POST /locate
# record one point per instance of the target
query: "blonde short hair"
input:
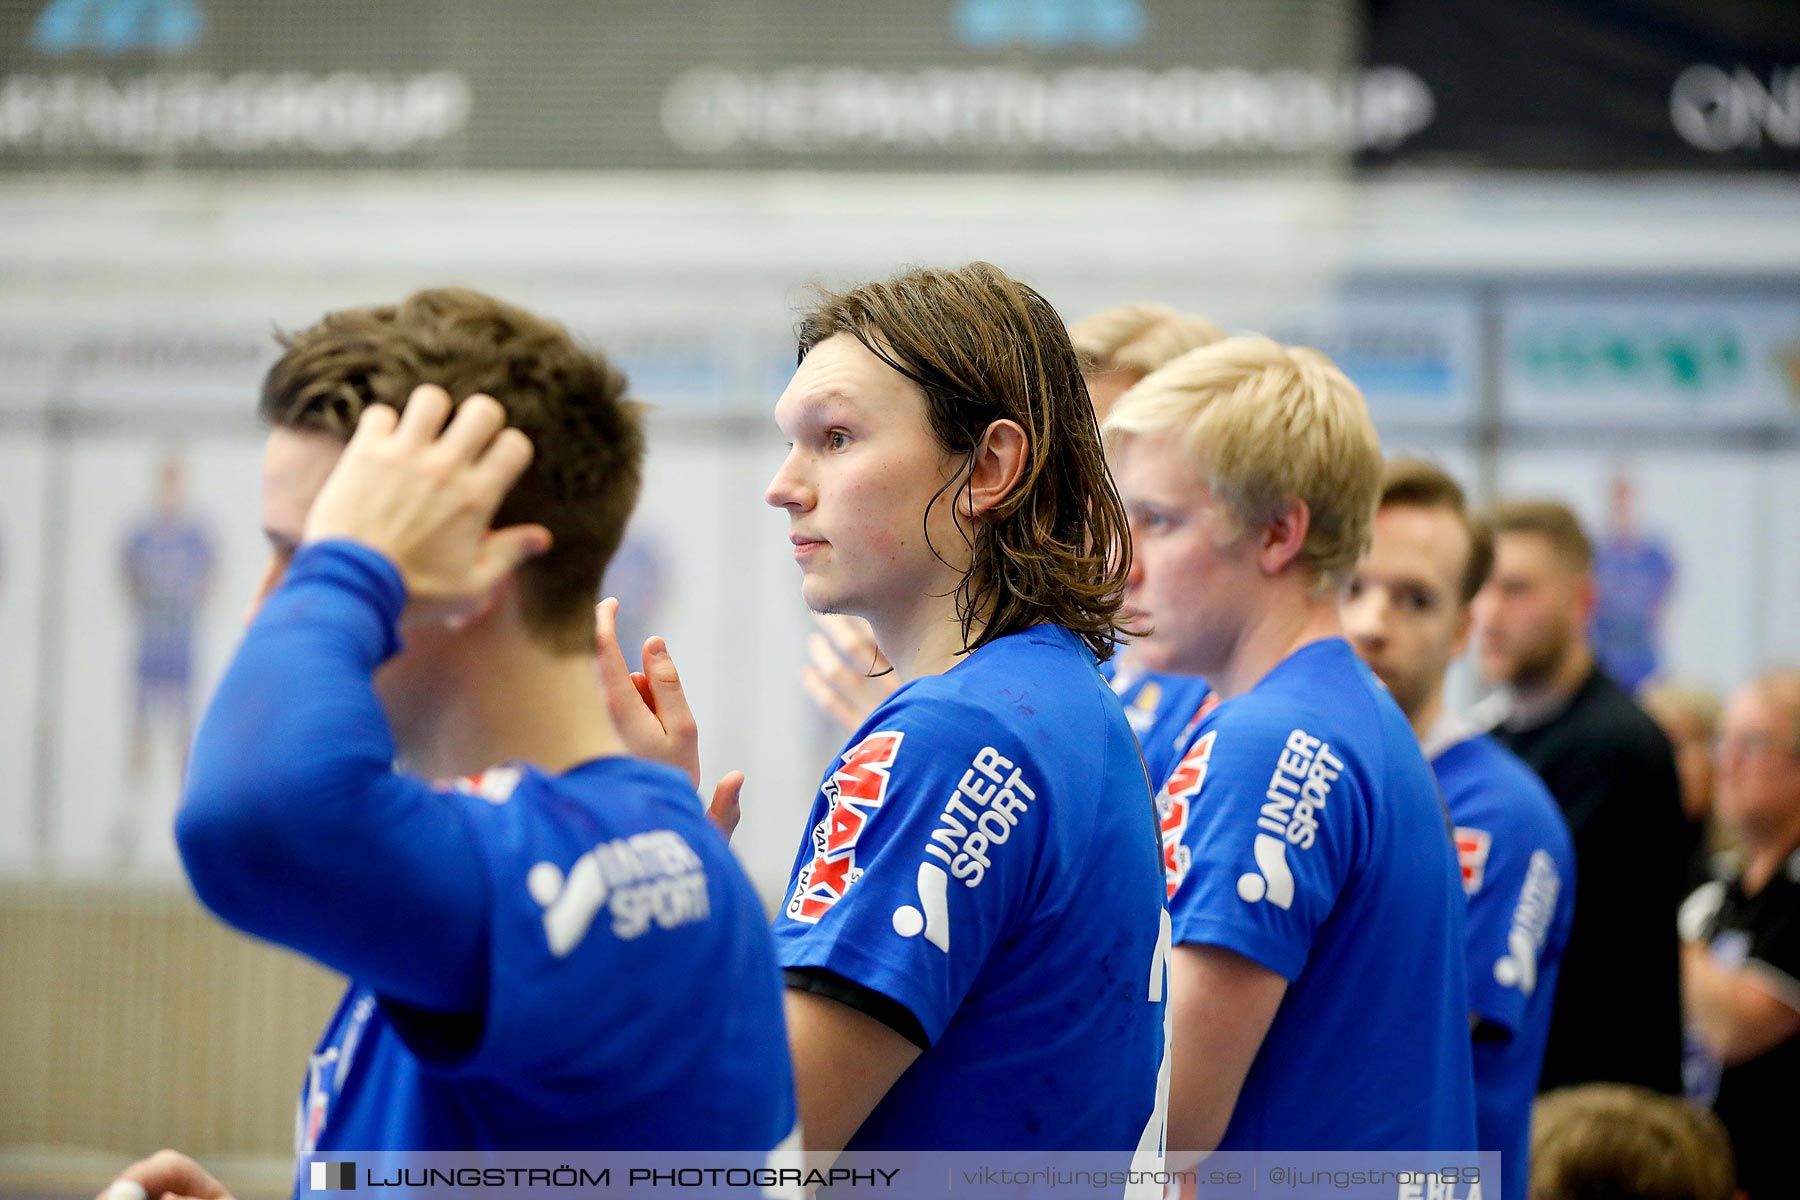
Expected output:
(1616, 1140)
(1266, 423)
(1138, 337)
(1781, 685)
(1667, 698)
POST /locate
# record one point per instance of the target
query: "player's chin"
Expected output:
(1155, 652)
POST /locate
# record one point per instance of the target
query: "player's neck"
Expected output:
(925, 641)
(1425, 716)
(1290, 617)
(520, 702)
(1534, 699)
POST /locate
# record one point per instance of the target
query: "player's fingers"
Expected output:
(427, 408)
(622, 699)
(827, 699)
(500, 467)
(854, 640)
(849, 680)
(165, 1171)
(665, 690)
(471, 428)
(376, 422)
(641, 682)
(823, 654)
(725, 809)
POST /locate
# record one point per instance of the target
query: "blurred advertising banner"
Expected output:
(944, 84)
(1182, 85)
(1685, 360)
(1585, 85)
(1414, 355)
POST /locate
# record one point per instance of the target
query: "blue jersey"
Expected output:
(1162, 709)
(539, 959)
(1312, 841)
(1518, 869)
(984, 855)
(616, 918)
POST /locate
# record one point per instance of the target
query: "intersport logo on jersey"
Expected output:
(1293, 805)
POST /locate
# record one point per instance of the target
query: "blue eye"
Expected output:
(837, 439)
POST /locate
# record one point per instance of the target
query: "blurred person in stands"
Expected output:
(1319, 999)
(537, 929)
(1618, 1009)
(1740, 955)
(988, 827)
(1407, 612)
(846, 676)
(1688, 714)
(1608, 1141)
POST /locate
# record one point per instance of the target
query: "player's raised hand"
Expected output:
(648, 707)
(424, 494)
(724, 809)
(846, 674)
(165, 1174)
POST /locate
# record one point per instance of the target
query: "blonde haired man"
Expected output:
(1317, 906)
(1119, 346)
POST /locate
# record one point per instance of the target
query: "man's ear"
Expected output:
(999, 464)
(1280, 539)
(1586, 591)
(502, 601)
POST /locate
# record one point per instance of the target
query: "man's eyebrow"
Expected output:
(827, 397)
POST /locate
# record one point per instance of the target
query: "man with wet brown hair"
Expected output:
(974, 934)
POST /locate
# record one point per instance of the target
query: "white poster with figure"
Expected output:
(165, 548)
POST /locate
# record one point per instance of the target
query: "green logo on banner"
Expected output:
(1693, 363)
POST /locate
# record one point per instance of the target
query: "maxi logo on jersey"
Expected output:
(853, 793)
(1175, 805)
(1472, 854)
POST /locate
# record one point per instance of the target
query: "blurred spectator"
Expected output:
(1611, 1142)
(1618, 1010)
(1689, 714)
(1740, 956)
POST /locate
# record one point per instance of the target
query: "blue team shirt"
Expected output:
(1162, 709)
(1518, 869)
(617, 921)
(607, 963)
(984, 853)
(1305, 833)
